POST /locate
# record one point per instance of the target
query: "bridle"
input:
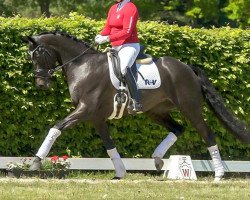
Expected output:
(42, 73)
(49, 71)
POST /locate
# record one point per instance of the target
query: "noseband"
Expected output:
(49, 71)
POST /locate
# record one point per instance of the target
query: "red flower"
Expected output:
(65, 157)
(54, 158)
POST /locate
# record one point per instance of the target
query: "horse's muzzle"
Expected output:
(43, 83)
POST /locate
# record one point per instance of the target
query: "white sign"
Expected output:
(181, 167)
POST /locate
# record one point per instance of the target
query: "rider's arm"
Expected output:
(107, 29)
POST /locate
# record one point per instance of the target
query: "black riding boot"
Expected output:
(134, 92)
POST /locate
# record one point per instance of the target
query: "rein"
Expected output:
(52, 71)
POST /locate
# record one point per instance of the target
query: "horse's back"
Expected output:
(179, 79)
(176, 68)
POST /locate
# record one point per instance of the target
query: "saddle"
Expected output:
(121, 98)
(142, 58)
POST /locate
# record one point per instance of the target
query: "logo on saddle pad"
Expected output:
(150, 82)
(148, 76)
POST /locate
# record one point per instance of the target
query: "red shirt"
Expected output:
(121, 25)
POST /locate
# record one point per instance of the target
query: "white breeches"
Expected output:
(127, 54)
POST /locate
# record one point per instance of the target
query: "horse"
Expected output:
(182, 86)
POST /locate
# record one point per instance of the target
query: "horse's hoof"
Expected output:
(36, 165)
(219, 174)
(116, 178)
(158, 164)
(217, 179)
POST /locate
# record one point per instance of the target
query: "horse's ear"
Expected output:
(28, 39)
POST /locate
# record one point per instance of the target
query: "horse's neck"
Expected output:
(77, 67)
(85, 74)
(68, 52)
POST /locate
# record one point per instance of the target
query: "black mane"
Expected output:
(61, 33)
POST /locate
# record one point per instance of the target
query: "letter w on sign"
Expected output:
(186, 172)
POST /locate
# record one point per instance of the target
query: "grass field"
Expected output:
(134, 186)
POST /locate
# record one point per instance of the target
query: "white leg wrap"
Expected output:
(161, 150)
(117, 162)
(48, 142)
(215, 155)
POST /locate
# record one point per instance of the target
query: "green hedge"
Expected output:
(27, 113)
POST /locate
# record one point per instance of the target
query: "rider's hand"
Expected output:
(99, 39)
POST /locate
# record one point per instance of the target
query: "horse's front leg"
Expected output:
(79, 114)
(102, 129)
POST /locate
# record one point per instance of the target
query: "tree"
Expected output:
(30, 8)
(239, 11)
(44, 7)
(90, 8)
(196, 13)
(174, 11)
(205, 12)
(4, 10)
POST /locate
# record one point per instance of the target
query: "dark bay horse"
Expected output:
(92, 94)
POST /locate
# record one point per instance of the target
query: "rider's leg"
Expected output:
(127, 54)
(132, 86)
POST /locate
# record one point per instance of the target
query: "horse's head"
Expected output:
(49, 48)
(44, 59)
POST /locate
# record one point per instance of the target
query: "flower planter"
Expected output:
(19, 173)
(55, 167)
(3, 172)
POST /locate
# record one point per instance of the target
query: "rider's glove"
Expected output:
(99, 39)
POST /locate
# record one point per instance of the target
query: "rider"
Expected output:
(120, 30)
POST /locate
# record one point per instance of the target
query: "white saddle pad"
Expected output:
(150, 80)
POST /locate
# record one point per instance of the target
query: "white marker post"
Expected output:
(181, 167)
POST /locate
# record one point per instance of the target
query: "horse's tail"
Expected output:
(217, 105)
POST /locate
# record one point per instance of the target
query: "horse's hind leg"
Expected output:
(102, 129)
(175, 131)
(191, 108)
(212, 147)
